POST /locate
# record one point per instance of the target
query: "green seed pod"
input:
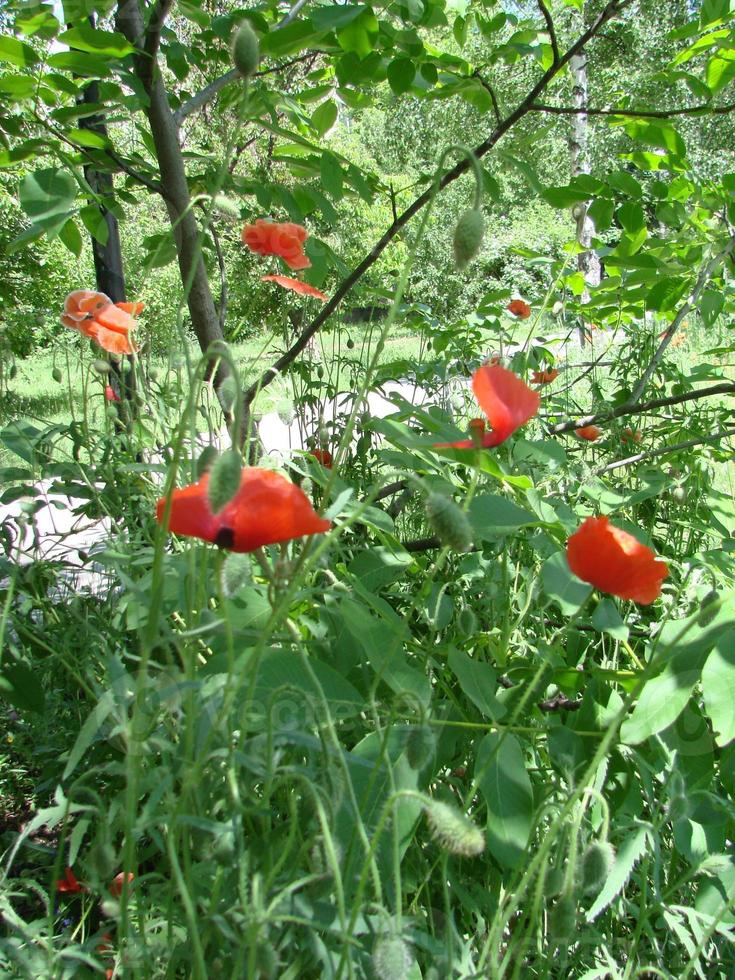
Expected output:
(467, 621)
(420, 746)
(111, 413)
(597, 861)
(553, 882)
(350, 343)
(563, 921)
(153, 375)
(453, 831)
(323, 436)
(391, 957)
(57, 375)
(224, 480)
(12, 373)
(468, 234)
(100, 366)
(227, 393)
(206, 460)
(236, 573)
(320, 372)
(450, 524)
(246, 50)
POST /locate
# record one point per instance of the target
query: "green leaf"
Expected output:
(564, 197)
(86, 65)
(478, 682)
(95, 223)
(21, 686)
(18, 86)
(711, 304)
(718, 687)
(88, 731)
(627, 857)
(71, 237)
(506, 788)
(360, 35)
(84, 37)
(401, 73)
(296, 36)
(601, 213)
(493, 516)
(566, 590)
(607, 619)
(324, 117)
(18, 53)
(47, 192)
(377, 567)
(631, 217)
(87, 137)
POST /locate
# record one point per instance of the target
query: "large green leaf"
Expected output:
(506, 788)
(718, 686)
(561, 585)
(84, 37)
(18, 53)
(46, 193)
(21, 686)
(478, 682)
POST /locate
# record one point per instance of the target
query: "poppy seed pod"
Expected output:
(452, 830)
(468, 234)
(206, 460)
(420, 746)
(391, 957)
(57, 375)
(100, 366)
(224, 479)
(597, 861)
(246, 50)
(467, 621)
(449, 522)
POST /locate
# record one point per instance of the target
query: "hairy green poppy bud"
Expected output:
(420, 746)
(100, 366)
(224, 480)
(236, 572)
(597, 861)
(453, 831)
(227, 393)
(391, 957)
(468, 234)
(111, 413)
(350, 343)
(206, 460)
(467, 621)
(57, 375)
(449, 522)
(563, 920)
(246, 50)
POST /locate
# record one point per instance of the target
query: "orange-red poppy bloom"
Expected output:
(116, 885)
(323, 456)
(545, 377)
(519, 308)
(588, 432)
(631, 435)
(96, 316)
(614, 561)
(267, 508)
(297, 286)
(110, 394)
(507, 401)
(69, 883)
(282, 238)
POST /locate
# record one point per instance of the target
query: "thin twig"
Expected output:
(725, 388)
(549, 29)
(705, 274)
(222, 311)
(491, 92)
(665, 450)
(703, 109)
(613, 8)
(156, 23)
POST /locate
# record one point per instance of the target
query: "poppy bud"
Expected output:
(236, 572)
(206, 460)
(350, 343)
(100, 366)
(467, 622)
(57, 375)
(553, 882)
(227, 393)
(452, 830)
(468, 234)
(246, 50)
(420, 746)
(563, 920)
(597, 861)
(224, 480)
(558, 308)
(391, 957)
(449, 522)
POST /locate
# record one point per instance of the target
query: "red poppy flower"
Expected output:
(507, 401)
(283, 238)
(519, 308)
(614, 561)
(69, 883)
(545, 377)
(588, 432)
(267, 508)
(631, 435)
(296, 285)
(116, 885)
(96, 316)
(110, 394)
(323, 456)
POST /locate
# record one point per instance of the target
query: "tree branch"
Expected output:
(491, 92)
(725, 388)
(156, 23)
(703, 109)
(705, 274)
(665, 450)
(549, 29)
(612, 8)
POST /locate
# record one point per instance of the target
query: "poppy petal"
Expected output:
(506, 399)
(110, 340)
(588, 432)
(615, 562)
(113, 318)
(132, 308)
(296, 285)
(519, 308)
(190, 515)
